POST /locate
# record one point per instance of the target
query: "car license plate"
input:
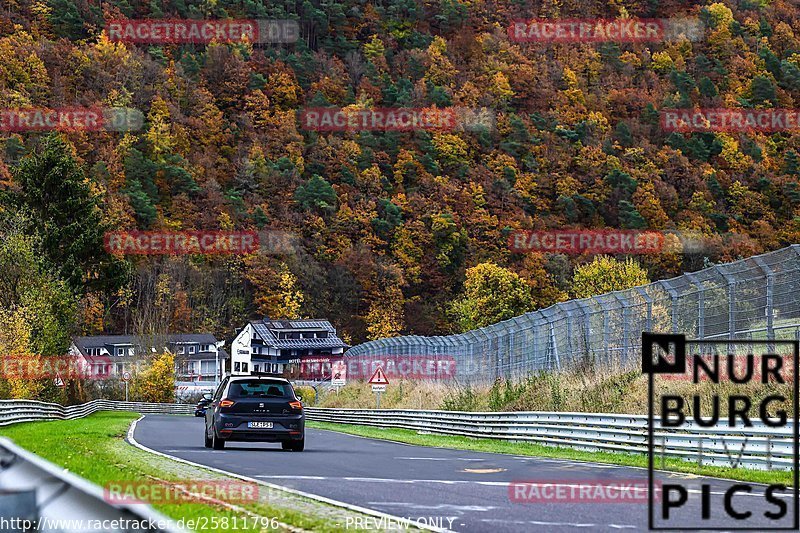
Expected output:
(260, 425)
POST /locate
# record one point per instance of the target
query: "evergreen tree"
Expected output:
(142, 203)
(316, 194)
(623, 135)
(391, 216)
(707, 88)
(65, 214)
(622, 181)
(762, 91)
(791, 163)
(790, 76)
(67, 21)
(629, 216)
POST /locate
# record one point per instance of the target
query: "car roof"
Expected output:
(270, 378)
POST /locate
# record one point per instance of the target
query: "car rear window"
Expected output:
(260, 389)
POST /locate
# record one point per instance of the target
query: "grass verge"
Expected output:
(537, 450)
(94, 448)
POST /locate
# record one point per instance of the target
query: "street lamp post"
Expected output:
(218, 372)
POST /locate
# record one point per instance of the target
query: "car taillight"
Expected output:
(296, 405)
(226, 403)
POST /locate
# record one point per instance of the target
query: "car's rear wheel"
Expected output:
(207, 439)
(294, 445)
(216, 442)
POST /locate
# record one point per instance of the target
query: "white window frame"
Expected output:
(209, 367)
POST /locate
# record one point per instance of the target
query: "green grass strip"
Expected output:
(94, 448)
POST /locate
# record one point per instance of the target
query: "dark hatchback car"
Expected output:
(255, 409)
(202, 405)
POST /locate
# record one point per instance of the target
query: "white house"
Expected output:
(279, 346)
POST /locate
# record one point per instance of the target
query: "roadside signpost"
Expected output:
(126, 377)
(378, 382)
(338, 374)
(58, 381)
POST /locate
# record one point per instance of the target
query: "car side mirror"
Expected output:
(300, 397)
(206, 396)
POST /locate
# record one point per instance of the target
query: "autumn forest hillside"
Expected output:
(397, 230)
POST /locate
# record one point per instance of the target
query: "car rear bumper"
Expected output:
(284, 428)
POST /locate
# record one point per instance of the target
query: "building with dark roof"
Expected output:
(197, 355)
(279, 346)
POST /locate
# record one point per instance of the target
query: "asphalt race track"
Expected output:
(469, 488)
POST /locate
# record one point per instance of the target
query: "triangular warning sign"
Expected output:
(57, 381)
(379, 377)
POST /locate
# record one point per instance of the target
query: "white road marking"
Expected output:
(557, 524)
(565, 483)
(460, 508)
(189, 450)
(439, 459)
(293, 477)
(388, 480)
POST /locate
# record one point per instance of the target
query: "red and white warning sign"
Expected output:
(379, 377)
(379, 380)
(58, 382)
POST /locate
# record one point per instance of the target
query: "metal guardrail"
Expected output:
(15, 411)
(37, 490)
(32, 488)
(761, 447)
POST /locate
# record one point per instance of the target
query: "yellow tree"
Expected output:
(605, 274)
(440, 70)
(155, 382)
(15, 341)
(290, 297)
(386, 314)
(277, 294)
(407, 250)
(500, 88)
(159, 133)
(648, 204)
(491, 294)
